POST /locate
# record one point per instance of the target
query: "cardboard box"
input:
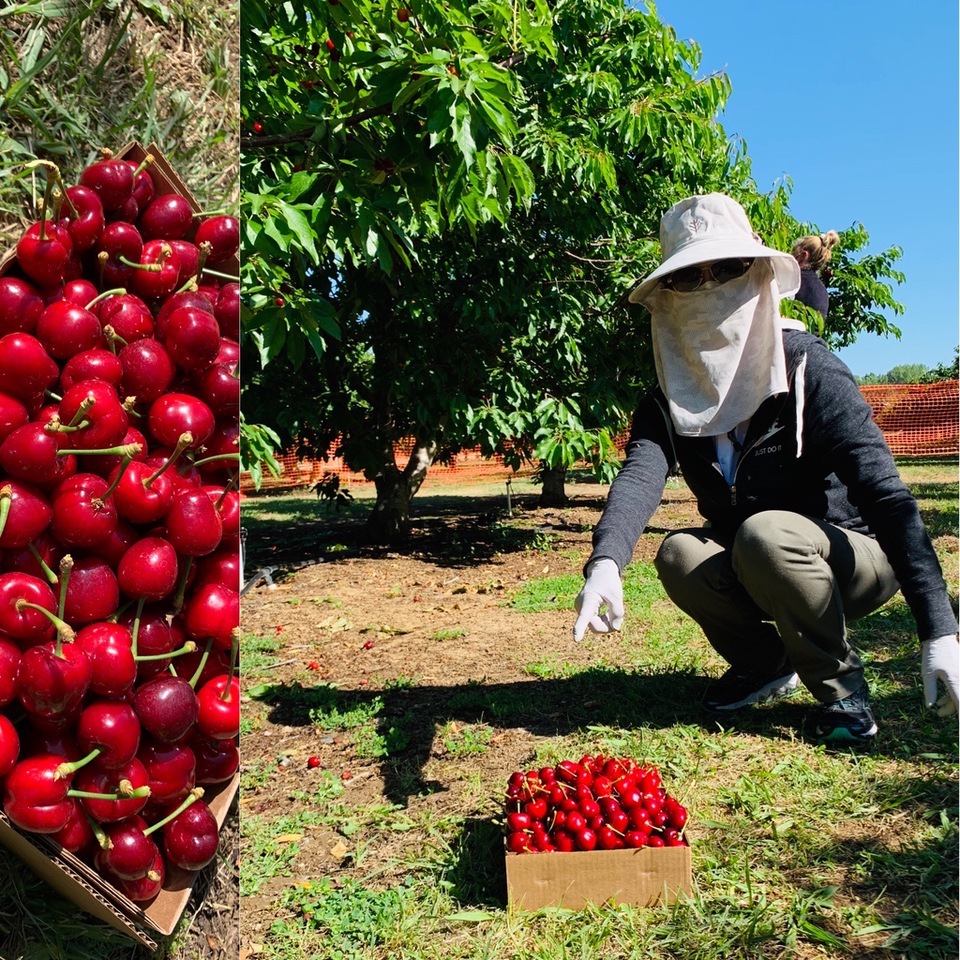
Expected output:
(68, 875)
(645, 877)
(81, 884)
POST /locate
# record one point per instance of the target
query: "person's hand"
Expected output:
(602, 587)
(940, 660)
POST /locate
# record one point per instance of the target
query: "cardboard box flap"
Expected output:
(48, 860)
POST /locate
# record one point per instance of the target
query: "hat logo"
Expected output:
(696, 224)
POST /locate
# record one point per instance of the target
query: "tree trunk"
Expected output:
(389, 522)
(553, 478)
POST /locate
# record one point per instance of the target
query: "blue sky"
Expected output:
(857, 103)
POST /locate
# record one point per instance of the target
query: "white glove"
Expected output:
(602, 587)
(940, 660)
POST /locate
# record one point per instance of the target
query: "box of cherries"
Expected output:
(629, 834)
(120, 536)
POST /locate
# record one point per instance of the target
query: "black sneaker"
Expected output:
(848, 720)
(740, 688)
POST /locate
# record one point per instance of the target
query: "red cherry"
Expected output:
(148, 569)
(35, 798)
(111, 180)
(130, 854)
(223, 235)
(219, 716)
(586, 839)
(171, 771)
(217, 760)
(82, 215)
(111, 727)
(44, 251)
(169, 217)
(26, 369)
(158, 270)
(20, 306)
(9, 745)
(518, 842)
(108, 648)
(191, 839)
(173, 414)
(213, 612)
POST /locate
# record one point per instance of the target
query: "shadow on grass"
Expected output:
(451, 531)
(407, 718)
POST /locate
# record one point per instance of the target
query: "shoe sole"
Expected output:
(845, 735)
(775, 690)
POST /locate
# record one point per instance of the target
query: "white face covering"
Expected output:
(718, 350)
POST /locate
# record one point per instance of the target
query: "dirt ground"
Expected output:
(364, 618)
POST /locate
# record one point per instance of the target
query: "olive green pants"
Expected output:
(780, 594)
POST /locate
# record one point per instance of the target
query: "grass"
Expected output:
(799, 851)
(75, 77)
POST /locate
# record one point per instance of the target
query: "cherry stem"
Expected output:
(232, 485)
(52, 395)
(102, 258)
(126, 789)
(68, 769)
(220, 456)
(188, 647)
(124, 463)
(234, 653)
(192, 797)
(182, 586)
(117, 292)
(189, 287)
(139, 793)
(55, 426)
(65, 198)
(147, 160)
(65, 632)
(66, 568)
(85, 405)
(223, 276)
(103, 840)
(44, 203)
(50, 576)
(126, 450)
(113, 338)
(154, 267)
(203, 662)
(6, 501)
(184, 441)
(205, 249)
(136, 626)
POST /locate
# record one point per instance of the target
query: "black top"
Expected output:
(812, 292)
(814, 450)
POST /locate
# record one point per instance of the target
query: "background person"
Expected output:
(812, 253)
(809, 525)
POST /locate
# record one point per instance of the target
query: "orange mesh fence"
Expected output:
(917, 420)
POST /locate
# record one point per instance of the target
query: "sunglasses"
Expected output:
(688, 279)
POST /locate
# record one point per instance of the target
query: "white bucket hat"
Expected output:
(709, 227)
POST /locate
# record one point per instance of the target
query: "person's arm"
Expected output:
(634, 496)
